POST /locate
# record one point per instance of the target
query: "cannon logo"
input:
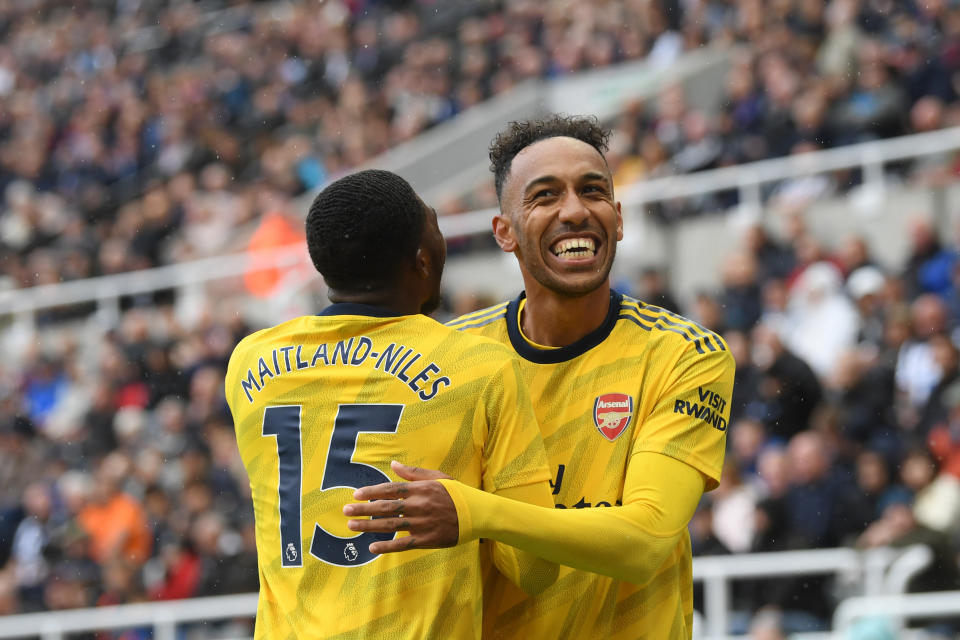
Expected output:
(612, 413)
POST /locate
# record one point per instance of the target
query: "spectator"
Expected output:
(947, 359)
(899, 527)
(733, 506)
(813, 499)
(741, 292)
(822, 321)
(861, 392)
(789, 390)
(866, 287)
(937, 494)
(653, 290)
(917, 371)
(775, 261)
(114, 520)
(30, 540)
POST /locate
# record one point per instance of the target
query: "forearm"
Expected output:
(527, 570)
(629, 542)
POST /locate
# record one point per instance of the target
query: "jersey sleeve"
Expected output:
(515, 468)
(630, 542)
(689, 420)
(513, 453)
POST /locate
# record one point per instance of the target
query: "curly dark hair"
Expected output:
(520, 135)
(362, 227)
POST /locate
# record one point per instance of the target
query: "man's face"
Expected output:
(559, 216)
(435, 246)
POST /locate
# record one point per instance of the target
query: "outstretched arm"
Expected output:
(630, 542)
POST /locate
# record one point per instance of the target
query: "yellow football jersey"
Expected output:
(321, 405)
(647, 380)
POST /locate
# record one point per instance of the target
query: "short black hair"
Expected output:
(362, 227)
(521, 134)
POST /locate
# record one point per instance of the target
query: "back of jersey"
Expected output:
(321, 405)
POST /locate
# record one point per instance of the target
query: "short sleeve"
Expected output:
(690, 418)
(513, 453)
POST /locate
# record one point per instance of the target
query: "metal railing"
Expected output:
(880, 572)
(747, 179)
(895, 607)
(162, 617)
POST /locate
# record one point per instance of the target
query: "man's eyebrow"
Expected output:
(593, 175)
(549, 179)
(539, 181)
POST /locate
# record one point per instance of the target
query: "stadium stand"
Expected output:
(136, 134)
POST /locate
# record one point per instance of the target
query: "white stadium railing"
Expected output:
(879, 573)
(895, 607)
(748, 179)
(162, 617)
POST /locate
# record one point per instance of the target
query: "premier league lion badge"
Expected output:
(612, 413)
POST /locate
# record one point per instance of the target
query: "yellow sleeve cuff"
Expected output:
(464, 519)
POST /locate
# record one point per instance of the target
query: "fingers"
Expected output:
(416, 473)
(385, 491)
(382, 525)
(377, 509)
(397, 544)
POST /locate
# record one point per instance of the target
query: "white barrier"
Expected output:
(895, 607)
(163, 617)
(878, 571)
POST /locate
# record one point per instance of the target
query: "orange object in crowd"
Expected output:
(274, 231)
(117, 527)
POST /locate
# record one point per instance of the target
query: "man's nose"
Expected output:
(572, 209)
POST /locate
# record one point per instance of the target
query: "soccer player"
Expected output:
(322, 404)
(632, 401)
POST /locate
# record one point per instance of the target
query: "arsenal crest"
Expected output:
(612, 413)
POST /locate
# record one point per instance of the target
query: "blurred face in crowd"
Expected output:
(928, 315)
(808, 462)
(917, 471)
(872, 475)
(559, 216)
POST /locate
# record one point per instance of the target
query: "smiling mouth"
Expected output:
(575, 248)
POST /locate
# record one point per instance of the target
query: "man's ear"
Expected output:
(422, 263)
(503, 232)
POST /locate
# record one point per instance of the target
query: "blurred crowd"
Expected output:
(845, 419)
(135, 134)
(120, 479)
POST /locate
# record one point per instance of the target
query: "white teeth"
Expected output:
(575, 248)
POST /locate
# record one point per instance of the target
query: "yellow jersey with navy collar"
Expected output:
(321, 405)
(646, 380)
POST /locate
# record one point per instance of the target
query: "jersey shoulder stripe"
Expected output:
(650, 317)
(479, 318)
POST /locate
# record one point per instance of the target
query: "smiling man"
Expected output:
(632, 401)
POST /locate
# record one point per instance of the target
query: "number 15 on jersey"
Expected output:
(284, 423)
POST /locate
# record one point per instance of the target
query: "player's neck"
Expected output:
(384, 298)
(557, 321)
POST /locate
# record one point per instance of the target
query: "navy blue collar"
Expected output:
(357, 309)
(569, 352)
